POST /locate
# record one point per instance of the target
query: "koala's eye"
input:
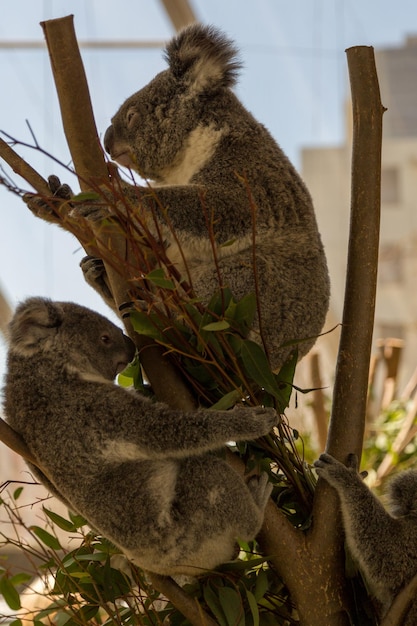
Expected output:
(105, 339)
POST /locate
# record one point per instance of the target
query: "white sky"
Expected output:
(294, 81)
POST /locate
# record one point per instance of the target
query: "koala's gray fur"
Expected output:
(384, 544)
(142, 474)
(188, 133)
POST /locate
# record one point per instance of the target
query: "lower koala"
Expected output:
(384, 544)
(144, 475)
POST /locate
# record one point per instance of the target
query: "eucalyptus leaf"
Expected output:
(257, 367)
(83, 196)
(232, 605)
(245, 312)
(262, 585)
(227, 401)
(213, 602)
(17, 493)
(216, 326)
(10, 593)
(158, 278)
(145, 324)
(253, 605)
(46, 538)
(60, 521)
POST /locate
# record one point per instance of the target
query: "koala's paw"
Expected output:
(52, 208)
(260, 420)
(95, 276)
(59, 191)
(334, 472)
(92, 210)
(261, 489)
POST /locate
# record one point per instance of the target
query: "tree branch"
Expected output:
(352, 372)
(23, 169)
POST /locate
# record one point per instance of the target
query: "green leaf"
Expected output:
(10, 594)
(16, 622)
(253, 605)
(86, 195)
(227, 401)
(213, 603)
(46, 538)
(77, 520)
(257, 367)
(262, 585)
(231, 603)
(145, 324)
(158, 278)
(216, 326)
(17, 493)
(61, 522)
(245, 312)
(19, 579)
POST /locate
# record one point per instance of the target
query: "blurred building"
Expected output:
(327, 174)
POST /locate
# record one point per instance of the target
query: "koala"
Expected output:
(384, 544)
(149, 478)
(209, 161)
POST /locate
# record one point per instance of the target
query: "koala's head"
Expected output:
(151, 128)
(70, 335)
(402, 494)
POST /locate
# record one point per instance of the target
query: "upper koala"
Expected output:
(384, 544)
(140, 472)
(211, 162)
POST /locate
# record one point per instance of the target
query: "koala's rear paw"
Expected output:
(95, 276)
(261, 489)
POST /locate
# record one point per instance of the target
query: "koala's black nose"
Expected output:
(109, 139)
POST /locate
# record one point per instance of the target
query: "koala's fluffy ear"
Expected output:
(203, 58)
(33, 326)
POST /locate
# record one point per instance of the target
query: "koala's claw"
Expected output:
(60, 191)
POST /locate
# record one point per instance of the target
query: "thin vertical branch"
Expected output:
(351, 384)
